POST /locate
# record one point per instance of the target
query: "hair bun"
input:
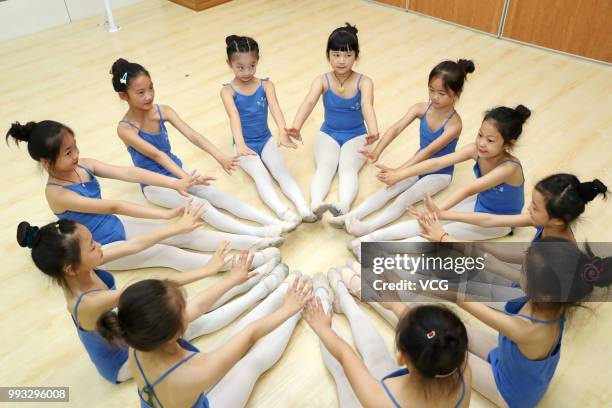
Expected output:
(467, 65)
(231, 38)
(21, 133)
(27, 235)
(523, 111)
(351, 28)
(119, 67)
(591, 189)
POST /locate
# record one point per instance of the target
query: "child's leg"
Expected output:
(388, 315)
(258, 172)
(377, 200)
(169, 198)
(221, 199)
(346, 396)
(273, 159)
(367, 339)
(483, 380)
(431, 184)
(224, 315)
(327, 155)
(235, 387)
(262, 271)
(159, 255)
(351, 162)
(199, 239)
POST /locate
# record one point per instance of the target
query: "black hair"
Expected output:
(566, 197)
(453, 74)
(148, 315)
(54, 247)
(559, 275)
(44, 138)
(124, 73)
(435, 340)
(237, 44)
(343, 39)
(508, 122)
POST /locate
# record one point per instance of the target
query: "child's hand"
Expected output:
(431, 229)
(294, 133)
(191, 217)
(219, 258)
(370, 155)
(228, 163)
(297, 296)
(240, 267)
(431, 206)
(387, 175)
(244, 150)
(371, 138)
(285, 140)
(314, 315)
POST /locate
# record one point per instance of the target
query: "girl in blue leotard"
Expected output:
(247, 99)
(431, 344)
(143, 130)
(151, 319)
(349, 125)
(498, 188)
(438, 135)
(66, 251)
(73, 192)
(556, 203)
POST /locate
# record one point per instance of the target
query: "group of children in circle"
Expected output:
(142, 331)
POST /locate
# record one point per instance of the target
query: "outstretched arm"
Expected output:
(228, 163)
(367, 109)
(305, 109)
(227, 96)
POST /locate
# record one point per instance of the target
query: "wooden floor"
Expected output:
(62, 74)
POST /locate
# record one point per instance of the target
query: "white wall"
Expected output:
(21, 17)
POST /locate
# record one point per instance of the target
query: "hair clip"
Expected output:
(445, 375)
(123, 79)
(431, 334)
(236, 45)
(57, 226)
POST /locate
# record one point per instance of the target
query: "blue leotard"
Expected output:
(107, 358)
(149, 389)
(522, 381)
(160, 141)
(427, 137)
(404, 371)
(105, 228)
(343, 116)
(253, 111)
(501, 199)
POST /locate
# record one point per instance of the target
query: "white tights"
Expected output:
(212, 197)
(256, 288)
(170, 253)
(369, 343)
(347, 160)
(408, 192)
(271, 162)
(408, 231)
(234, 389)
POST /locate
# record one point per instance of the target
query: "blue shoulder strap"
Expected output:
(359, 81)
(78, 302)
(327, 79)
(130, 124)
(426, 110)
(161, 117)
(149, 387)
